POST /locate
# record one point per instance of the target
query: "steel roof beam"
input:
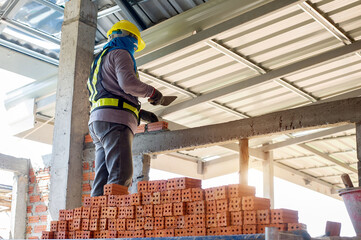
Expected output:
(131, 14)
(327, 24)
(108, 11)
(278, 73)
(307, 138)
(51, 5)
(258, 69)
(32, 31)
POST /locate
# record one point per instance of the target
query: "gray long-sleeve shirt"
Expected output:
(120, 79)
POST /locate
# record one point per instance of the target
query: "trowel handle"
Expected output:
(346, 180)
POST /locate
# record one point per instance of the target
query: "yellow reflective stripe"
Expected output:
(105, 102)
(131, 108)
(91, 91)
(95, 76)
(114, 103)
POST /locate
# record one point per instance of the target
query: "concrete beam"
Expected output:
(76, 55)
(302, 118)
(271, 75)
(18, 206)
(13, 164)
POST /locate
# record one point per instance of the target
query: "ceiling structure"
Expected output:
(5, 198)
(225, 60)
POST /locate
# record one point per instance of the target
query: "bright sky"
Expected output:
(314, 209)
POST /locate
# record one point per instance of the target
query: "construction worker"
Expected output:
(114, 88)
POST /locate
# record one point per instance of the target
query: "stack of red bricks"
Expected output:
(174, 207)
(151, 127)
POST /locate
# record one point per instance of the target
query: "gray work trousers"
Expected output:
(113, 155)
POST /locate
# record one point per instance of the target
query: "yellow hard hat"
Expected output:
(130, 27)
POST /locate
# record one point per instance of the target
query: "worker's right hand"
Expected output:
(156, 98)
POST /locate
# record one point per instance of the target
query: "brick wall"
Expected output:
(88, 171)
(37, 202)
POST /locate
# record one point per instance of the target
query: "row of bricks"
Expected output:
(150, 127)
(167, 209)
(150, 223)
(230, 230)
(173, 196)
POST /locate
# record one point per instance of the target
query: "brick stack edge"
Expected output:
(167, 208)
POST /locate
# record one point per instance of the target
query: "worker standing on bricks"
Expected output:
(114, 88)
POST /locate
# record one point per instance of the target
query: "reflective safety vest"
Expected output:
(99, 97)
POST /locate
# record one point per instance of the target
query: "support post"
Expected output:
(141, 167)
(268, 175)
(358, 149)
(72, 107)
(18, 206)
(243, 161)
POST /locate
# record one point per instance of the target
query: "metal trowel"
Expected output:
(166, 100)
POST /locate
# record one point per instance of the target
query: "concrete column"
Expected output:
(141, 167)
(268, 174)
(18, 206)
(243, 161)
(358, 147)
(72, 107)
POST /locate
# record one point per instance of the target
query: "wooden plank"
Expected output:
(243, 161)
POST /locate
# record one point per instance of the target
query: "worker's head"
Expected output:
(125, 28)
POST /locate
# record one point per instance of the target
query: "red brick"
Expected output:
(211, 207)
(240, 190)
(176, 196)
(211, 220)
(284, 216)
(261, 228)
(180, 232)
(33, 238)
(199, 231)
(78, 234)
(86, 166)
(142, 186)
(29, 229)
(103, 224)
(87, 235)
(130, 224)
(39, 228)
(179, 209)
(236, 218)
(31, 172)
(100, 201)
(34, 199)
(62, 215)
(115, 189)
(165, 197)
(139, 224)
(70, 225)
(85, 224)
(126, 200)
(199, 221)
(31, 189)
(209, 194)
(189, 208)
(263, 216)
(162, 185)
(54, 226)
(130, 212)
(235, 204)
(88, 176)
(96, 234)
(77, 224)
(139, 211)
(47, 235)
(333, 230)
(32, 180)
(112, 224)
(212, 231)
(148, 210)
(249, 217)
(149, 233)
(29, 209)
(71, 235)
(86, 200)
(223, 219)
(187, 195)
(135, 199)
(95, 212)
(199, 207)
(41, 208)
(104, 212)
(220, 192)
(156, 198)
(197, 194)
(189, 221)
(85, 212)
(63, 235)
(147, 198)
(180, 222)
(185, 182)
(168, 209)
(113, 201)
(69, 214)
(158, 223)
(222, 205)
(86, 187)
(255, 203)
(170, 222)
(94, 224)
(222, 231)
(148, 223)
(157, 210)
(33, 219)
(121, 224)
(62, 226)
(44, 218)
(249, 229)
(139, 234)
(153, 186)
